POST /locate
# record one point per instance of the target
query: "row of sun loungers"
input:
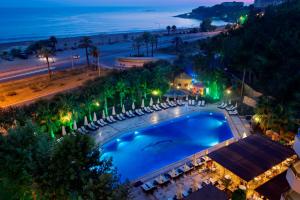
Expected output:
(95, 125)
(173, 174)
(200, 103)
(231, 109)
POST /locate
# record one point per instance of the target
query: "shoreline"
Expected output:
(105, 36)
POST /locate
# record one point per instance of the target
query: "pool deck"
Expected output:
(238, 127)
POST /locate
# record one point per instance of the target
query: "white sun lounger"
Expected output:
(109, 120)
(122, 116)
(103, 122)
(119, 118)
(131, 113)
(100, 123)
(112, 118)
(203, 103)
(234, 112)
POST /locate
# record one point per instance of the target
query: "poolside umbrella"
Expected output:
(161, 179)
(123, 109)
(86, 121)
(179, 192)
(186, 97)
(195, 185)
(173, 172)
(158, 101)
(75, 125)
(151, 102)
(196, 97)
(63, 130)
(185, 167)
(133, 106)
(143, 103)
(103, 114)
(95, 117)
(194, 160)
(168, 99)
(229, 102)
(113, 111)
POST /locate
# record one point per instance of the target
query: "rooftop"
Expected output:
(252, 156)
(208, 192)
(275, 187)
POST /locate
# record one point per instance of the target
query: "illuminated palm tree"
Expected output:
(86, 43)
(46, 53)
(96, 55)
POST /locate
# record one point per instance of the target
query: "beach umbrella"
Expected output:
(151, 102)
(113, 111)
(86, 121)
(123, 109)
(179, 192)
(63, 130)
(229, 102)
(168, 99)
(143, 103)
(95, 117)
(103, 114)
(158, 101)
(75, 125)
(186, 97)
(133, 106)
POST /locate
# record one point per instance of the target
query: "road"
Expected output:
(109, 54)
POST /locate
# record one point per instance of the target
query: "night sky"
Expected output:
(54, 3)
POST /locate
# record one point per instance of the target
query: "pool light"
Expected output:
(136, 132)
(210, 113)
(118, 140)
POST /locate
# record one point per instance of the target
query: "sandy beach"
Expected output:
(110, 45)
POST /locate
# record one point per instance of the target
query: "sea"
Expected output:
(23, 24)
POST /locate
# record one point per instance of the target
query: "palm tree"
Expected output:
(86, 43)
(146, 37)
(174, 28)
(96, 55)
(53, 41)
(168, 29)
(109, 92)
(178, 42)
(46, 53)
(153, 41)
(121, 87)
(137, 44)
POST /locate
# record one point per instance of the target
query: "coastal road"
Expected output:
(109, 54)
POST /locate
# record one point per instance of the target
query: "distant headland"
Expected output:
(226, 11)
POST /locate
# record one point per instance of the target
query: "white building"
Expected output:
(293, 175)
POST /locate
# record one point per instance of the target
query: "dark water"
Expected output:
(19, 24)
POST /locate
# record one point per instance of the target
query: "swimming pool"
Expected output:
(140, 152)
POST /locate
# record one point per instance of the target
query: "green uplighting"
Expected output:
(243, 19)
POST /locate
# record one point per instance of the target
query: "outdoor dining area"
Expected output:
(251, 162)
(199, 177)
(245, 165)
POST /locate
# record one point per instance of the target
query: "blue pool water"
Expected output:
(140, 152)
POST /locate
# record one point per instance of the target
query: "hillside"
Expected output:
(227, 11)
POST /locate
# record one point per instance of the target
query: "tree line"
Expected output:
(265, 51)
